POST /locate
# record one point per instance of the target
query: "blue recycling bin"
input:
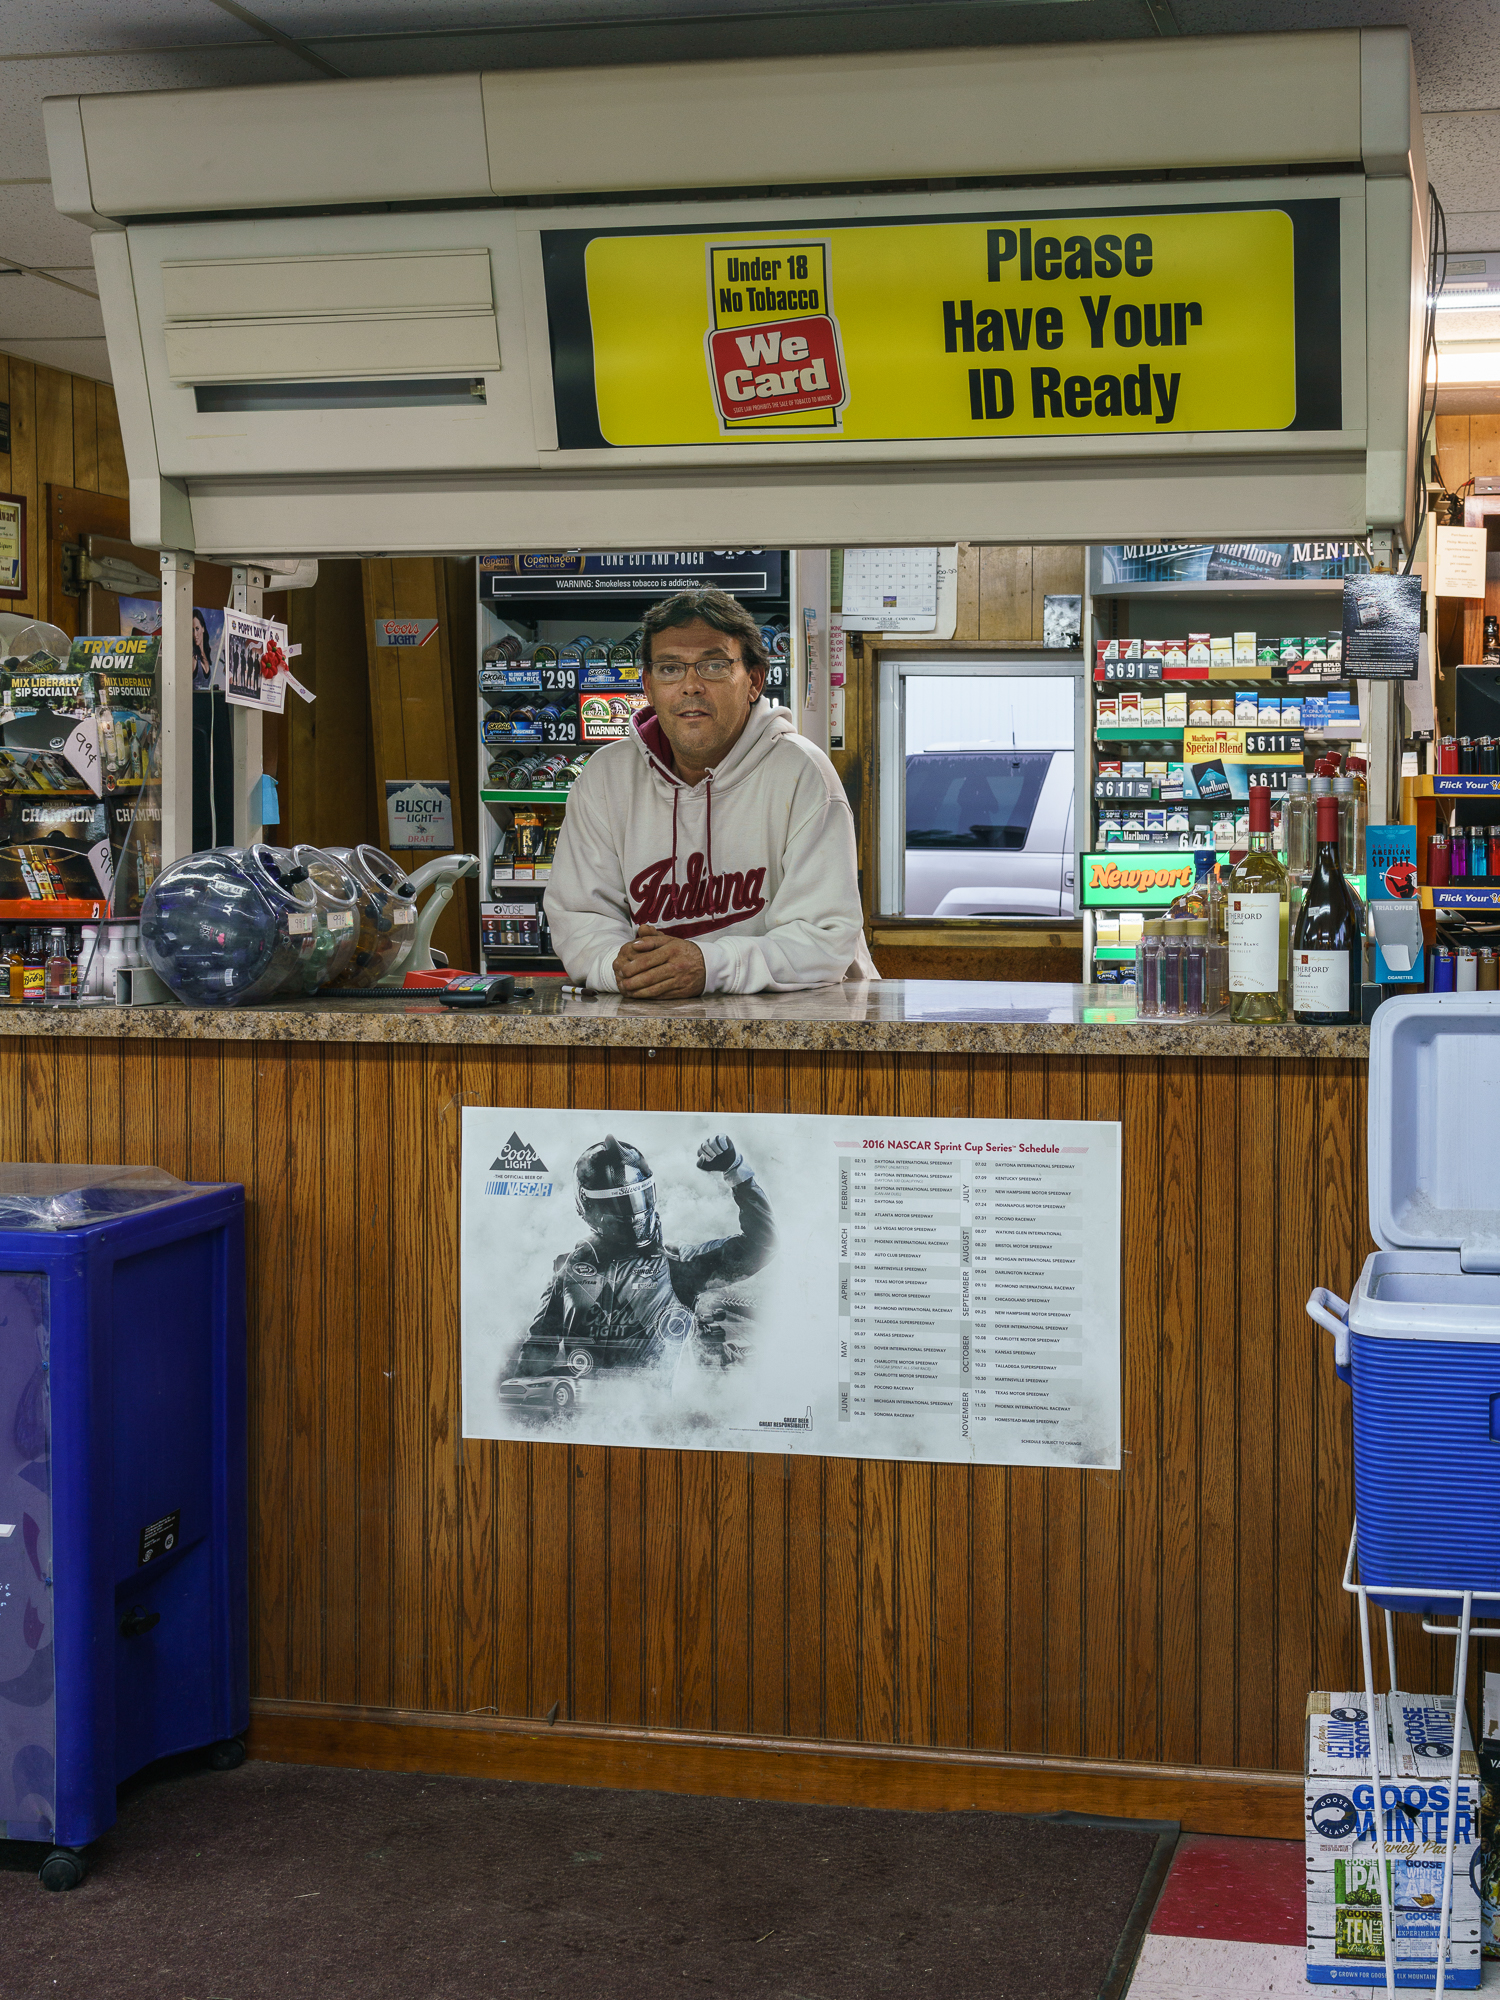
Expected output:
(123, 1608)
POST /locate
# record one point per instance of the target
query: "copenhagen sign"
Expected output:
(1061, 324)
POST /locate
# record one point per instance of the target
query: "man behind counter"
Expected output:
(712, 850)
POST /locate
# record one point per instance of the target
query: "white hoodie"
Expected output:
(756, 864)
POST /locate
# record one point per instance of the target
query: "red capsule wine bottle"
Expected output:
(1327, 947)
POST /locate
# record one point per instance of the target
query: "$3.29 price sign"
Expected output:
(559, 728)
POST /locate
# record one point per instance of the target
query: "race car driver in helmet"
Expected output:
(622, 1299)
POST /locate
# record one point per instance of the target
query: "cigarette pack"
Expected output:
(1174, 656)
(1107, 714)
(1291, 711)
(1200, 712)
(1199, 649)
(1133, 768)
(1106, 929)
(1106, 649)
(1130, 708)
(1152, 712)
(1221, 651)
(1270, 712)
(1246, 707)
(1291, 649)
(1174, 712)
(1130, 649)
(1223, 715)
(1244, 649)
(1413, 1741)
(1151, 649)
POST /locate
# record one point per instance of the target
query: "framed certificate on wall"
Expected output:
(12, 545)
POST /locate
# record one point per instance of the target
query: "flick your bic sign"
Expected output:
(1149, 322)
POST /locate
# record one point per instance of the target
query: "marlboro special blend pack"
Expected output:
(1413, 1737)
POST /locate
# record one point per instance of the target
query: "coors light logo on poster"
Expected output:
(773, 349)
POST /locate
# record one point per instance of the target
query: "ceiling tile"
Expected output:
(32, 231)
(1463, 160)
(23, 85)
(1475, 229)
(624, 38)
(41, 27)
(79, 357)
(33, 309)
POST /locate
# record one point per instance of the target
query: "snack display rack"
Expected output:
(1172, 760)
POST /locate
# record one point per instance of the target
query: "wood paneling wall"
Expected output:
(1177, 1611)
(1468, 447)
(424, 711)
(64, 431)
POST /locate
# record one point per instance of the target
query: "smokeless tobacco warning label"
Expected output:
(897, 1288)
(1148, 321)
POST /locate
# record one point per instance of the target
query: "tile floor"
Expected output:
(1230, 1926)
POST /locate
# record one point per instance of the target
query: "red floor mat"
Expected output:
(1251, 1891)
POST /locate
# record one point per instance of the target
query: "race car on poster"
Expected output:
(624, 1302)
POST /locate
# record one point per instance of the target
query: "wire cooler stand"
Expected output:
(1464, 1631)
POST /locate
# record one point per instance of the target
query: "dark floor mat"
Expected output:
(288, 1880)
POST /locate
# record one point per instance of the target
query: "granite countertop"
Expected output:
(894, 1016)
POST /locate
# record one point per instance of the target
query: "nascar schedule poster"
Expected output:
(901, 1288)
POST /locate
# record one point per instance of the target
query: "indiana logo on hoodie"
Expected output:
(700, 901)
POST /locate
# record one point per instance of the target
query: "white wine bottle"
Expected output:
(1327, 951)
(1257, 915)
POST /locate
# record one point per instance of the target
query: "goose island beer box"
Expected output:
(1414, 1738)
(1489, 1801)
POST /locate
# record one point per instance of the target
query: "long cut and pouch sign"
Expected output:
(890, 1288)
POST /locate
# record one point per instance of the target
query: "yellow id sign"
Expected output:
(1142, 322)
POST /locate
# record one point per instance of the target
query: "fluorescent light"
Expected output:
(1457, 365)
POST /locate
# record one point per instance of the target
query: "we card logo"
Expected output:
(773, 350)
(777, 370)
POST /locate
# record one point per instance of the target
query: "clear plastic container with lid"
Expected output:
(1194, 967)
(387, 913)
(217, 934)
(291, 894)
(1147, 955)
(338, 903)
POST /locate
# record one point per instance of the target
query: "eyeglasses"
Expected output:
(716, 667)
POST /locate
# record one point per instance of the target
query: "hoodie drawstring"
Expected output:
(708, 823)
(676, 795)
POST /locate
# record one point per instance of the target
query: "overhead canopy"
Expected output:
(768, 302)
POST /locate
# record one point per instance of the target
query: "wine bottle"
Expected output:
(1327, 951)
(1258, 923)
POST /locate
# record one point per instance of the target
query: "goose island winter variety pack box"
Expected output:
(1345, 1936)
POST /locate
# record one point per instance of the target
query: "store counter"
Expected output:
(890, 1017)
(1136, 1642)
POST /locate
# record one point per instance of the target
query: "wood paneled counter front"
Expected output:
(1137, 1642)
